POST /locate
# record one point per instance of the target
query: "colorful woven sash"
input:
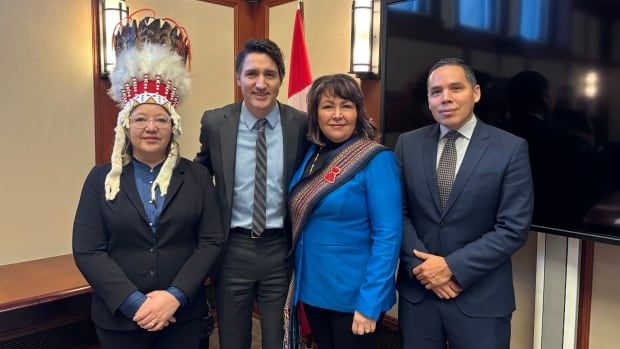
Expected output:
(350, 158)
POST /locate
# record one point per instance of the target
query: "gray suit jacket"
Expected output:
(218, 144)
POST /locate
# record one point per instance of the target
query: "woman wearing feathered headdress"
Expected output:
(147, 230)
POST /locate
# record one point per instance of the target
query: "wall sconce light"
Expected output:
(591, 84)
(365, 38)
(111, 12)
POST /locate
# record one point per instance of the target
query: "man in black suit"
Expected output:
(254, 263)
(469, 201)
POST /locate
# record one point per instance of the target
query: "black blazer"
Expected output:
(117, 252)
(218, 144)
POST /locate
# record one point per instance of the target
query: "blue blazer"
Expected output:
(347, 253)
(486, 220)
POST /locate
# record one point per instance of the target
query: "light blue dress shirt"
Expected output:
(144, 176)
(461, 143)
(245, 165)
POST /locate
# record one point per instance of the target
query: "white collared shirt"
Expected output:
(461, 143)
(245, 165)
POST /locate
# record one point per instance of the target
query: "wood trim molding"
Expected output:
(372, 100)
(105, 111)
(227, 3)
(39, 281)
(41, 294)
(585, 294)
(274, 3)
(45, 298)
(96, 72)
(38, 317)
(391, 323)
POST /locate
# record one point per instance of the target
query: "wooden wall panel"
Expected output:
(585, 294)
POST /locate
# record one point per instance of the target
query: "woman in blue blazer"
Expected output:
(345, 209)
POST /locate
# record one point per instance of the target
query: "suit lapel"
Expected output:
(128, 186)
(228, 142)
(430, 163)
(175, 184)
(475, 150)
(290, 137)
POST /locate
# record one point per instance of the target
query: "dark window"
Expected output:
(421, 7)
(478, 14)
(534, 15)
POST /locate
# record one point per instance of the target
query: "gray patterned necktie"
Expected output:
(447, 168)
(259, 210)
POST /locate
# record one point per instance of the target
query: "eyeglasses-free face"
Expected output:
(337, 118)
(260, 83)
(451, 97)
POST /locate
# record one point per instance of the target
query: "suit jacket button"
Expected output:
(152, 273)
(152, 250)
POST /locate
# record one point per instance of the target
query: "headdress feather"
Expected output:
(152, 66)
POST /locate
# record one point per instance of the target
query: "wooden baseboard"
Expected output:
(390, 323)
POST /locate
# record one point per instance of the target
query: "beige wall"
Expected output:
(211, 31)
(605, 297)
(50, 129)
(50, 126)
(524, 279)
(47, 110)
(328, 35)
(46, 106)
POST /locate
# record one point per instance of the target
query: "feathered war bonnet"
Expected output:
(152, 57)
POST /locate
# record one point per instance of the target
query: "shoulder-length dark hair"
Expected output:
(345, 87)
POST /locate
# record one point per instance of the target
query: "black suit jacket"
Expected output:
(117, 252)
(218, 144)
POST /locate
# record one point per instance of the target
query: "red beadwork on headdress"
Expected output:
(151, 86)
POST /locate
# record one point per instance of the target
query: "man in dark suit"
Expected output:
(252, 148)
(468, 206)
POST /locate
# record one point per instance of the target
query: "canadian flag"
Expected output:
(299, 82)
(300, 78)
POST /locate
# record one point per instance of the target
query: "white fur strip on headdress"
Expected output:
(165, 174)
(113, 178)
(121, 158)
